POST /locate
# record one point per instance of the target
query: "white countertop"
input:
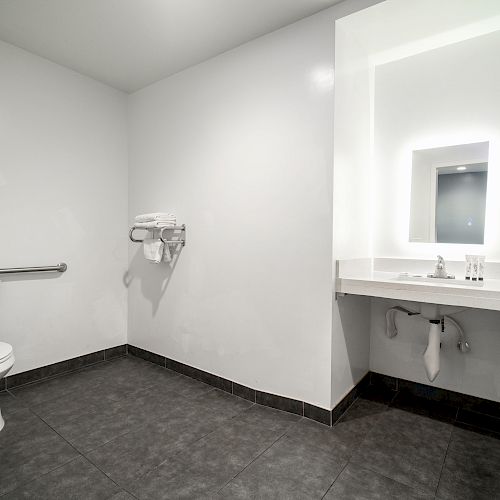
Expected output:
(361, 277)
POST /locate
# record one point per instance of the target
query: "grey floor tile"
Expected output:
(290, 469)
(128, 457)
(205, 467)
(9, 404)
(101, 395)
(95, 428)
(186, 386)
(115, 418)
(176, 482)
(269, 418)
(70, 406)
(343, 439)
(220, 401)
(72, 383)
(76, 480)
(357, 483)
(472, 467)
(29, 449)
(122, 495)
(407, 448)
(126, 376)
(18, 425)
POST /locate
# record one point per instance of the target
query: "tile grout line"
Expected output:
(349, 461)
(108, 477)
(444, 459)
(80, 454)
(367, 465)
(138, 478)
(343, 413)
(335, 480)
(40, 476)
(259, 455)
(55, 468)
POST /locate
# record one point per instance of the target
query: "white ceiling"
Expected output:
(129, 44)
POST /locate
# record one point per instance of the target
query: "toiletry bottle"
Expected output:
(468, 267)
(475, 266)
(480, 270)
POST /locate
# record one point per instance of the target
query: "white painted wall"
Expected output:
(424, 101)
(351, 202)
(240, 148)
(63, 197)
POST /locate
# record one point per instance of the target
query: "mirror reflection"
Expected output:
(448, 194)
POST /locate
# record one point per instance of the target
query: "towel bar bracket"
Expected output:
(166, 241)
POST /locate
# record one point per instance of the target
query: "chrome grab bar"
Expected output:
(61, 268)
(161, 229)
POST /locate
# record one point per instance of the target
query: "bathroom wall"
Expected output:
(240, 148)
(441, 97)
(352, 194)
(63, 197)
(451, 106)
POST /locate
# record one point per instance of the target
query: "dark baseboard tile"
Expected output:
(385, 381)
(480, 420)
(244, 392)
(279, 402)
(2, 385)
(146, 355)
(189, 371)
(350, 397)
(201, 375)
(208, 378)
(55, 369)
(319, 414)
(450, 398)
(344, 404)
(289, 405)
(115, 352)
(484, 406)
(463, 410)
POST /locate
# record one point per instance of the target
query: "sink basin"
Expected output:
(441, 281)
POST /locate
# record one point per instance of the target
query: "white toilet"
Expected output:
(6, 363)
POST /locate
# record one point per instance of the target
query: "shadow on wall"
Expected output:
(354, 313)
(30, 276)
(154, 278)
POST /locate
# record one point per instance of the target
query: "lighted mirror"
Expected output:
(448, 194)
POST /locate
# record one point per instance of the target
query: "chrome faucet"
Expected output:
(440, 270)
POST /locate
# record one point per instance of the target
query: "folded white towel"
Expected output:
(167, 256)
(153, 224)
(153, 249)
(159, 216)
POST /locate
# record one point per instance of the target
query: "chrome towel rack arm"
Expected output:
(162, 238)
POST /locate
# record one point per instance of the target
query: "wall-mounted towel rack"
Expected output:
(162, 230)
(60, 268)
